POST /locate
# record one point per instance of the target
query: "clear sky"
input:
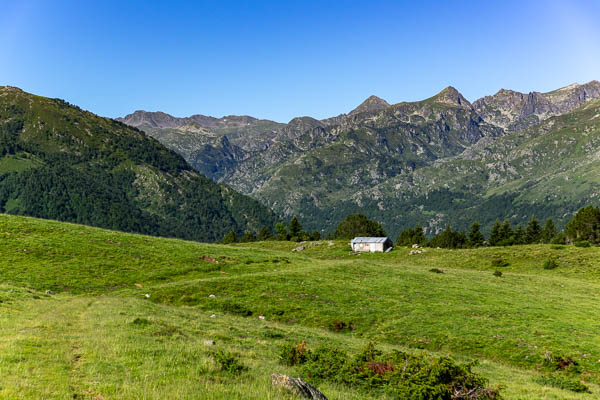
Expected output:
(281, 59)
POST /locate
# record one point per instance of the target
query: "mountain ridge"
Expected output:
(324, 169)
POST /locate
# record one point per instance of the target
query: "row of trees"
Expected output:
(292, 232)
(584, 226)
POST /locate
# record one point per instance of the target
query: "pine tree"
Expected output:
(534, 231)
(281, 231)
(315, 236)
(495, 234)
(505, 234)
(247, 237)
(231, 237)
(264, 233)
(549, 231)
(295, 227)
(519, 236)
(476, 238)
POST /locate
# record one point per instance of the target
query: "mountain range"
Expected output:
(442, 160)
(60, 162)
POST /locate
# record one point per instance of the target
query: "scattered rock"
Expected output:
(50, 292)
(297, 386)
(412, 252)
(147, 295)
(261, 317)
(209, 342)
(416, 246)
(299, 248)
(209, 259)
(213, 316)
(137, 284)
(211, 296)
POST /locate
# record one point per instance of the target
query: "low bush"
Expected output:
(563, 382)
(436, 270)
(561, 362)
(294, 354)
(338, 325)
(229, 362)
(140, 321)
(498, 274)
(236, 309)
(499, 262)
(550, 263)
(402, 375)
(582, 243)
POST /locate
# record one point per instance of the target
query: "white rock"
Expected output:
(147, 296)
(211, 296)
(213, 316)
(261, 317)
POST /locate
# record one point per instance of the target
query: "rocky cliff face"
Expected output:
(513, 111)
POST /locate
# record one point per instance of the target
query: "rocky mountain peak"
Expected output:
(372, 103)
(154, 119)
(453, 97)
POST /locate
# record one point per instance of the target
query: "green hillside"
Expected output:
(60, 162)
(131, 313)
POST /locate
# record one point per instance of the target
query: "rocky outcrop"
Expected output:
(297, 386)
(514, 111)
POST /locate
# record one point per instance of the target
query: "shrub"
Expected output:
(237, 309)
(294, 354)
(141, 321)
(338, 325)
(582, 243)
(557, 362)
(229, 362)
(563, 382)
(399, 374)
(497, 273)
(499, 262)
(550, 263)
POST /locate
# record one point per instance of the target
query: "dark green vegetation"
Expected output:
(399, 374)
(131, 314)
(60, 162)
(437, 162)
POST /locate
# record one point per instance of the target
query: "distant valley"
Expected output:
(443, 160)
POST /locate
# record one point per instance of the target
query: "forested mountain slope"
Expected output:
(58, 161)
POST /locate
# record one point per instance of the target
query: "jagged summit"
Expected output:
(451, 96)
(372, 103)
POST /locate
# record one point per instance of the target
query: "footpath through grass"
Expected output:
(101, 337)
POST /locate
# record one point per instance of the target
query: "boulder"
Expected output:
(299, 248)
(297, 386)
(50, 292)
(209, 342)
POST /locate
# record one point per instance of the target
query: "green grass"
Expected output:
(100, 337)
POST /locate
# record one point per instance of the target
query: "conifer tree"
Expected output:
(505, 233)
(519, 236)
(264, 233)
(295, 227)
(549, 231)
(534, 231)
(495, 234)
(475, 236)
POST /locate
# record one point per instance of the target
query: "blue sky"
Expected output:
(281, 59)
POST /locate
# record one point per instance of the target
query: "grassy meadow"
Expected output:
(131, 313)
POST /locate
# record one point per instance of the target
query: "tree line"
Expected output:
(583, 229)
